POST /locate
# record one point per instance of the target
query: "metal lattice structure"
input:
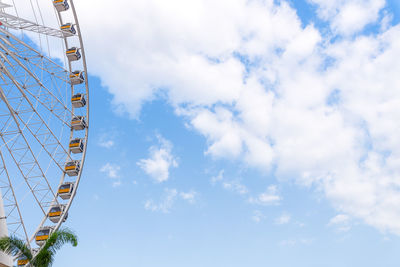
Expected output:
(44, 120)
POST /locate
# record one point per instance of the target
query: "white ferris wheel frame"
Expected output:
(14, 22)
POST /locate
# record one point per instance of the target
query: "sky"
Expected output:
(240, 133)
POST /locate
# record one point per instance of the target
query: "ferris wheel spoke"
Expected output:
(27, 52)
(44, 64)
(11, 205)
(17, 23)
(27, 164)
(56, 110)
(34, 87)
(35, 60)
(38, 128)
(41, 94)
(48, 141)
(32, 174)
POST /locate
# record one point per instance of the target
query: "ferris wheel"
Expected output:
(44, 117)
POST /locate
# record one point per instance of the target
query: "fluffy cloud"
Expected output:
(106, 143)
(265, 90)
(106, 140)
(349, 16)
(342, 222)
(112, 171)
(189, 196)
(269, 197)
(160, 161)
(168, 199)
(231, 185)
(257, 216)
(166, 202)
(235, 186)
(283, 219)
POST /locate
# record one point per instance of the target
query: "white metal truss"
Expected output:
(3, 5)
(25, 159)
(16, 23)
(30, 60)
(12, 211)
(35, 121)
(36, 124)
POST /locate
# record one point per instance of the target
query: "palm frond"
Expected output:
(44, 258)
(14, 246)
(60, 238)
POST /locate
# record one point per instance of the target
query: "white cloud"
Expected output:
(258, 216)
(116, 183)
(266, 91)
(342, 222)
(269, 197)
(231, 185)
(168, 200)
(339, 219)
(283, 219)
(107, 139)
(349, 16)
(236, 187)
(160, 161)
(112, 171)
(189, 196)
(106, 143)
(218, 178)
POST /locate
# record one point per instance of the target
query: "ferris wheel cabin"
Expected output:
(65, 190)
(22, 261)
(76, 145)
(78, 123)
(78, 100)
(73, 54)
(61, 5)
(72, 168)
(77, 77)
(56, 212)
(68, 29)
(42, 235)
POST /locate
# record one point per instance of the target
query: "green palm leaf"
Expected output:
(45, 258)
(15, 246)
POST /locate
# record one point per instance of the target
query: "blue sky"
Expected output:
(218, 229)
(165, 183)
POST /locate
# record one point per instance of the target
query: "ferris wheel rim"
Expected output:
(77, 181)
(79, 35)
(71, 137)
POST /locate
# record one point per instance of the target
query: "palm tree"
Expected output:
(45, 258)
